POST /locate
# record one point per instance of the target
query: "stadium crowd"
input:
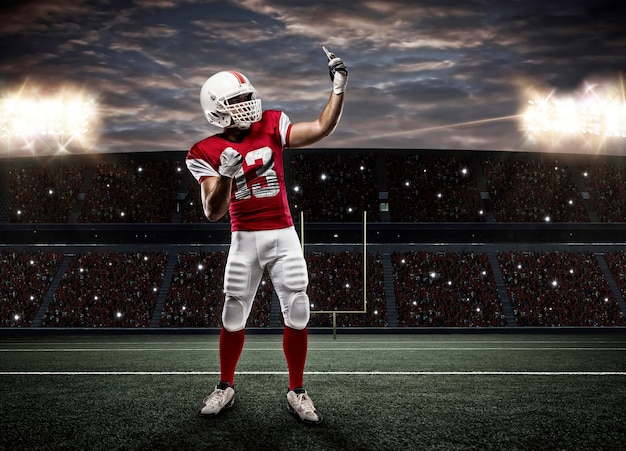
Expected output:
(606, 185)
(427, 188)
(559, 289)
(336, 284)
(107, 290)
(533, 191)
(329, 187)
(446, 289)
(195, 294)
(333, 187)
(132, 192)
(431, 289)
(191, 210)
(616, 262)
(25, 278)
(44, 194)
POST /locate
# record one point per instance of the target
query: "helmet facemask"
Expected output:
(242, 113)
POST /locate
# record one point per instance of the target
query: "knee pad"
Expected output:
(298, 314)
(234, 315)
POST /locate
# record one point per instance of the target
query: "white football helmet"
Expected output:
(228, 99)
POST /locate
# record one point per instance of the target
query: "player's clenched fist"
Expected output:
(338, 72)
(230, 162)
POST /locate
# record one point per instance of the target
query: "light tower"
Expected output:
(588, 117)
(47, 123)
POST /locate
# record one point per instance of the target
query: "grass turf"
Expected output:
(375, 391)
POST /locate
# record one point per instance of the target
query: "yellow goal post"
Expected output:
(343, 312)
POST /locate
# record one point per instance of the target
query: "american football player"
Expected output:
(240, 171)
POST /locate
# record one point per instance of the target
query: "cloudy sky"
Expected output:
(434, 74)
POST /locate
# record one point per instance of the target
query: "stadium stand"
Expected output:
(333, 187)
(44, 194)
(134, 192)
(533, 191)
(428, 188)
(616, 262)
(559, 289)
(191, 211)
(105, 214)
(24, 280)
(606, 186)
(192, 206)
(446, 289)
(336, 284)
(107, 290)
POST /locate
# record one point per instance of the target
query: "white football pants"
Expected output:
(250, 253)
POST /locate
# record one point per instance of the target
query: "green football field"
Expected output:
(376, 392)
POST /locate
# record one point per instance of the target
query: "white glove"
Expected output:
(230, 162)
(338, 72)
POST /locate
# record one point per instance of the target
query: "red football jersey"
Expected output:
(259, 198)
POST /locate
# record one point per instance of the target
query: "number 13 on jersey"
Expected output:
(261, 180)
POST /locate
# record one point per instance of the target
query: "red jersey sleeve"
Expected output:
(202, 163)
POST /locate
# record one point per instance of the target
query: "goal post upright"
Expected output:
(302, 230)
(364, 261)
(345, 312)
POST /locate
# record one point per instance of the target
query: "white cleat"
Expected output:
(221, 398)
(299, 403)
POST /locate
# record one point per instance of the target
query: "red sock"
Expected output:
(231, 345)
(295, 343)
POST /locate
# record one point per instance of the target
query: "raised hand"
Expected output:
(338, 72)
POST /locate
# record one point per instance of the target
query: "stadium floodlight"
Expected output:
(568, 117)
(597, 110)
(69, 116)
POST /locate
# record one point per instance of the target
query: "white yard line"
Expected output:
(322, 373)
(338, 349)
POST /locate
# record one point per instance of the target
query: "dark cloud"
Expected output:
(426, 74)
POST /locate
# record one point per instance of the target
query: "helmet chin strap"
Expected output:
(240, 125)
